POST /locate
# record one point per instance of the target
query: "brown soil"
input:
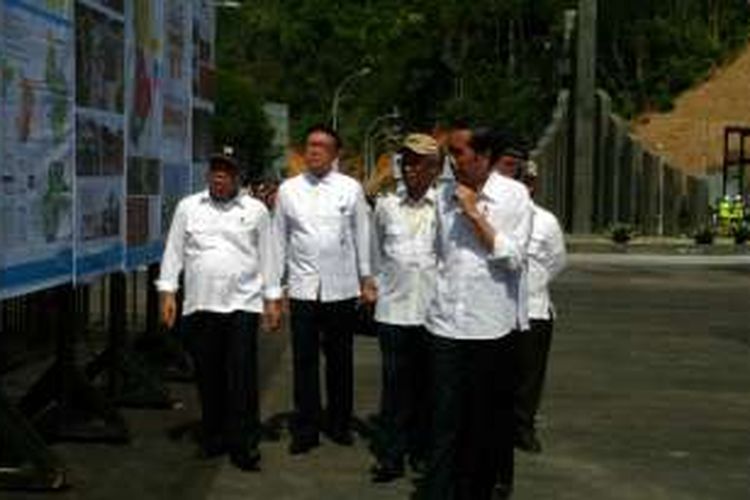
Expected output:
(691, 136)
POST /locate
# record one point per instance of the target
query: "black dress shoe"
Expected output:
(341, 437)
(211, 450)
(527, 441)
(299, 446)
(502, 492)
(247, 461)
(385, 473)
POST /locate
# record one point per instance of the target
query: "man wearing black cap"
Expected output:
(547, 258)
(508, 155)
(222, 240)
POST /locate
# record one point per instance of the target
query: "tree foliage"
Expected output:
(651, 51)
(239, 122)
(494, 61)
(489, 60)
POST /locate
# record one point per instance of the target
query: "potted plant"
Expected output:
(621, 234)
(741, 234)
(705, 235)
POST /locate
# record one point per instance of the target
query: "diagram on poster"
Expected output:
(36, 207)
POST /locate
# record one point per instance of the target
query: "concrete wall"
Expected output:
(630, 184)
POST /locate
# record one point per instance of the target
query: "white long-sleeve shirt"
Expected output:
(477, 293)
(404, 257)
(323, 229)
(547, 258)
(226, 251)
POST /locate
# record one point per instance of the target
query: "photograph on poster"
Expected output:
(144, 176)
(176, 83)
(143, 220)
(144, 64)
(99, 207)
(99, 60)
(99, 144)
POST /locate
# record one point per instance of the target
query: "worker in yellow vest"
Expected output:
(725, 214)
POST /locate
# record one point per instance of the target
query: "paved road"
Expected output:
(648, 398)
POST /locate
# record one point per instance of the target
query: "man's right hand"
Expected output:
(168, 308)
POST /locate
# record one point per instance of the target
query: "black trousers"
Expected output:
(225, 350)
(532, 352)
(405, 400)
(473, 418)
(328, 325)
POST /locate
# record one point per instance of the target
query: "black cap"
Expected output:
(516, 147)
(223, 161)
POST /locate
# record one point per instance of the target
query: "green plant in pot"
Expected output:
(741, 233)
(705, 235)
(622, 233)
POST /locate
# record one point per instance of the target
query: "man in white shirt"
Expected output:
(484, 222)
(405, 267)
(222, 240)
(547, 259)
(323, 228)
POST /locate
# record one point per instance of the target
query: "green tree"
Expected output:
(240, 122)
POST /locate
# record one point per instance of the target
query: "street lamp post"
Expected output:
(369, 147)
(227, 4)
(337, 93)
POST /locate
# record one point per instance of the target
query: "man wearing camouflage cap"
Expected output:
(405, 266)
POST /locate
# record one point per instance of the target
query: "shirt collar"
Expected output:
(429, 197)
(315, 180)
(237, 200)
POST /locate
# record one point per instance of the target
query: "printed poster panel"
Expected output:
(100, 137)
(144, 70)
(203, 75)
(176, 116)
(145, 109)
(203, 50)
(36, 145)
(176, 83)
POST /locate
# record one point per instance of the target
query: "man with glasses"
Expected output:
(323, 227)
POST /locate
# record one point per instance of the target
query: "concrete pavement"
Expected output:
(648, 398)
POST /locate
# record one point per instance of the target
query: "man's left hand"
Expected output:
(272, 315)
(369, 291)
